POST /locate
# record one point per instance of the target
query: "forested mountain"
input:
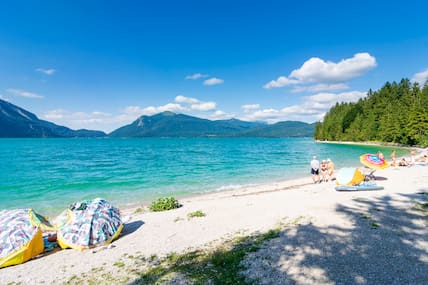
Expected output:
(168, 124)
(16, 122)
(282, 129)
(397, 113)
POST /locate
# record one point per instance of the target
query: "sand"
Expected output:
(372, 237)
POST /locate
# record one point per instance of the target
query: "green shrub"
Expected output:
(164, 204)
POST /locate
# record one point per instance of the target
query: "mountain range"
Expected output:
(169, 124)
(17, 122)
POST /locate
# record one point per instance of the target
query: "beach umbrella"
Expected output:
(21, 235)
(349, 176)
(373, 161)
(88, 224)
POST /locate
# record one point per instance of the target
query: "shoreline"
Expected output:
(249, 189)
(383, 144)
(238, 213)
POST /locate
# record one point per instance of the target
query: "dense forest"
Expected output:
(397, 113)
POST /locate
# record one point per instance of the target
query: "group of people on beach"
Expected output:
(322, 172)
(423, 158)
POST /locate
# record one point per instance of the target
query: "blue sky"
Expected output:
(101, 64)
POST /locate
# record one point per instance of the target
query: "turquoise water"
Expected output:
(49, 174)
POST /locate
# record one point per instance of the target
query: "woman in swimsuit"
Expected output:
(324, 171)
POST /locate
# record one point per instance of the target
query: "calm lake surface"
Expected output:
(49, 174)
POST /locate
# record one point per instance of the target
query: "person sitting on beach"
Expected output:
(330, 167)
(324, 170)
(403, 162)
(315, 165)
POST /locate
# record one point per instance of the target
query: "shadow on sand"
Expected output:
(131, 227)
(386, 243)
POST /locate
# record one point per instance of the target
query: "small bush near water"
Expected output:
(164, 204)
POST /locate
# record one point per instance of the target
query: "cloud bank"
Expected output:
(325, 75)
(312, 109)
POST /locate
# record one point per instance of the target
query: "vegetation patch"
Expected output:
(196, 214)
(138, 211)
(374, 225)
(369, 217)
(119, 264)
(421, 207)
(219, 266)
(164, 204)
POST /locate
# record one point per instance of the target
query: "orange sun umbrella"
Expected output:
(373, 161)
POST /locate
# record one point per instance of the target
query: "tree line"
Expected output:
(397, 113)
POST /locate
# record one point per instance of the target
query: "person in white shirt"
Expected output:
(315, 170)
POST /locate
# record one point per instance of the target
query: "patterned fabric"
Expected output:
(16, 230)
(88, 223)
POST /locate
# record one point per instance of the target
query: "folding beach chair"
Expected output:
(369, 174)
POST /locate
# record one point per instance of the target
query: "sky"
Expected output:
(102, 64)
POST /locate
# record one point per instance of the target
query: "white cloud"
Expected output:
(132, 112)
(280, 82)
(213, 81)
(57, 114)
(204, 106)
(23, 93)
(221, 115)
(196, 76)
(46, 71)
(183, 99)
(421, 77)
(250, 107)
(195, 104)
(316, 70)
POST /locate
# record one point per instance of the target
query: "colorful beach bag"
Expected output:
(88, 224)
(21, 235)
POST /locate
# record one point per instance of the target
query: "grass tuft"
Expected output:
(374, 225)
(196, 214)
(138, 211)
